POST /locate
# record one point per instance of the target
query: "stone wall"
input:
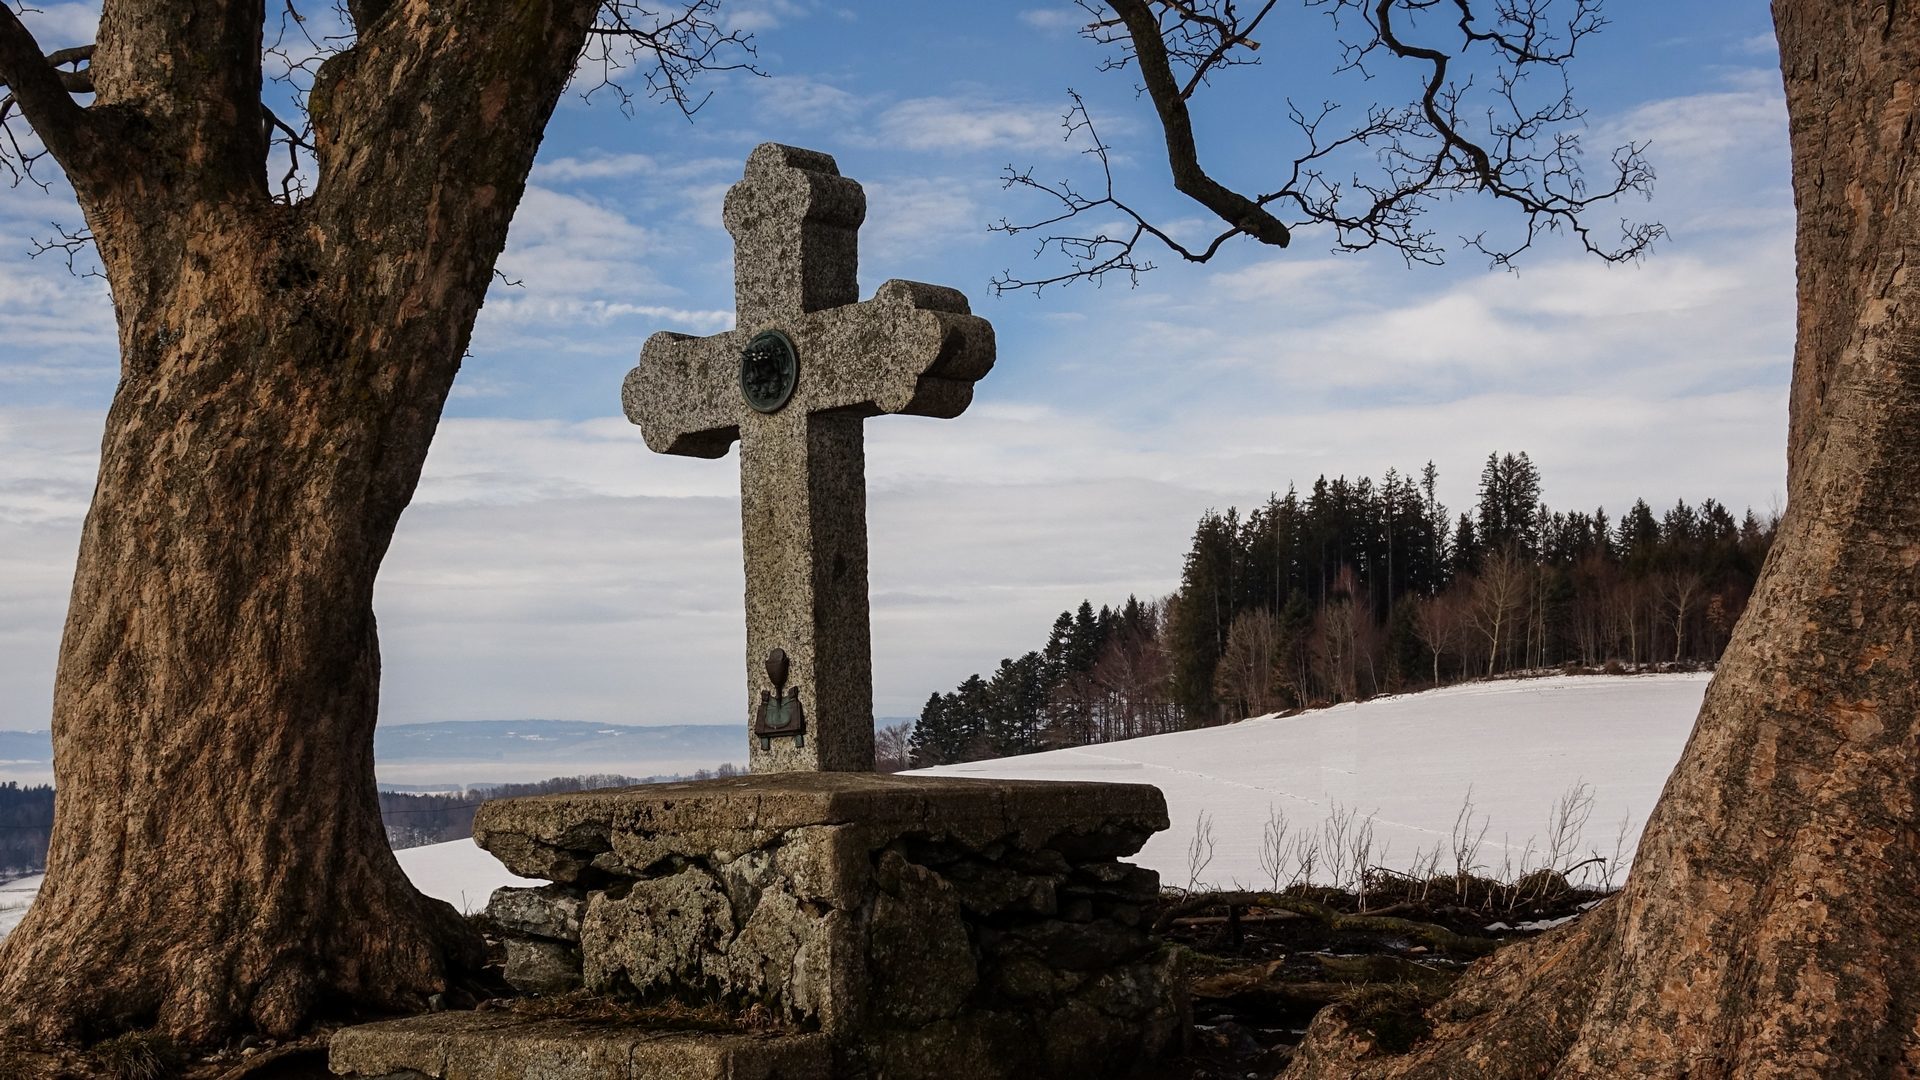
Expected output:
(951, 932)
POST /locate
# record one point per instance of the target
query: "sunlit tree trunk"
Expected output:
(218, 862)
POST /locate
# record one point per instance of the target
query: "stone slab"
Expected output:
(539, 835)
(507, 1046)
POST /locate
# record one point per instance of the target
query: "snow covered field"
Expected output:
(1408, 761)
(457, 872)
(14, 897)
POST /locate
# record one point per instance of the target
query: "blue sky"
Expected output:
(552, 567)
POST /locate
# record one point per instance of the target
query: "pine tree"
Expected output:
(932, 740)
(1198, 623)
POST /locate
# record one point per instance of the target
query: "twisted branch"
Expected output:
(1525, 152)
(39, 92)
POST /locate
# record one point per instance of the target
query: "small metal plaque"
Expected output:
(780, 712)
(769, 370)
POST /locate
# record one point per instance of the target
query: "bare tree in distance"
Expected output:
(1494, 601)
(298, 226)
(1679, 591)
(891, 749)
(1246, 676)
(1437, 622)
(1494, 116)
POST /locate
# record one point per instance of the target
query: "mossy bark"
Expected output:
(1767, 929)
(218, 863)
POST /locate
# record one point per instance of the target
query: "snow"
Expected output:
(458, 872)
(1409, 761)
(15, 895)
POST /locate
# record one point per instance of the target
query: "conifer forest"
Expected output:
(1365, 587)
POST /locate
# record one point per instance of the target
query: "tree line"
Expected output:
(412, 820)
(1363, 587)
(415, 820)
(26, 821)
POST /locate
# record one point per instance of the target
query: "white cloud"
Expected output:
(753, 16)
(1705, 131)
(968, 123)
(556, 310)
(805, 102)
(594, 167)
(913, 215)
(1058, 17)
(579, 261)
(64, 324)
(60, 26)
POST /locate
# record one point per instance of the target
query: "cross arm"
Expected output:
(685, 393)
(914, 348)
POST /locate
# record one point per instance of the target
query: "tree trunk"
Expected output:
(215, 703)
(218, 863)
(1768, 927)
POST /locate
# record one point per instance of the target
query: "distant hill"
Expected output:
(500, 751)
(465, 752)
(26, 756)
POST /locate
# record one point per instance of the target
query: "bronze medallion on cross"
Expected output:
(793, 382)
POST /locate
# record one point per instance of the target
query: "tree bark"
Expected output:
(1768, 927)
(218, 863)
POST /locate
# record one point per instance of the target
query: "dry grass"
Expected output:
(136, 1055)
(1394, 1014)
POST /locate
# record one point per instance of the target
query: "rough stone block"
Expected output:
(551, 911)
(537, 966)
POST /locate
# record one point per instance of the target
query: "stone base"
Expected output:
(927, 927)
(502, 1046)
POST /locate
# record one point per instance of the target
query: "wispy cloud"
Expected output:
(806, 102)
(967, 123)
(1058, 17)
(753, 16)
(913, 215)
(59, 26)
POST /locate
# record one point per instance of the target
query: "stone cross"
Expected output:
(806, 364)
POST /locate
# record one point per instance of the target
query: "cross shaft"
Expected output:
(913, 349)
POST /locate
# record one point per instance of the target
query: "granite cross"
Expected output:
(805, 365)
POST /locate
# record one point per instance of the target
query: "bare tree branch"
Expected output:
(1150, 51)
(1090, 257)
(1519, 146)
(37, 91)
(70, 244)
(678, 47)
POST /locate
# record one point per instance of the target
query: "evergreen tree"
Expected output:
(1083, 646)
(1466, 549)
(1199, 621)
(933, 741)
(1638, 538)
